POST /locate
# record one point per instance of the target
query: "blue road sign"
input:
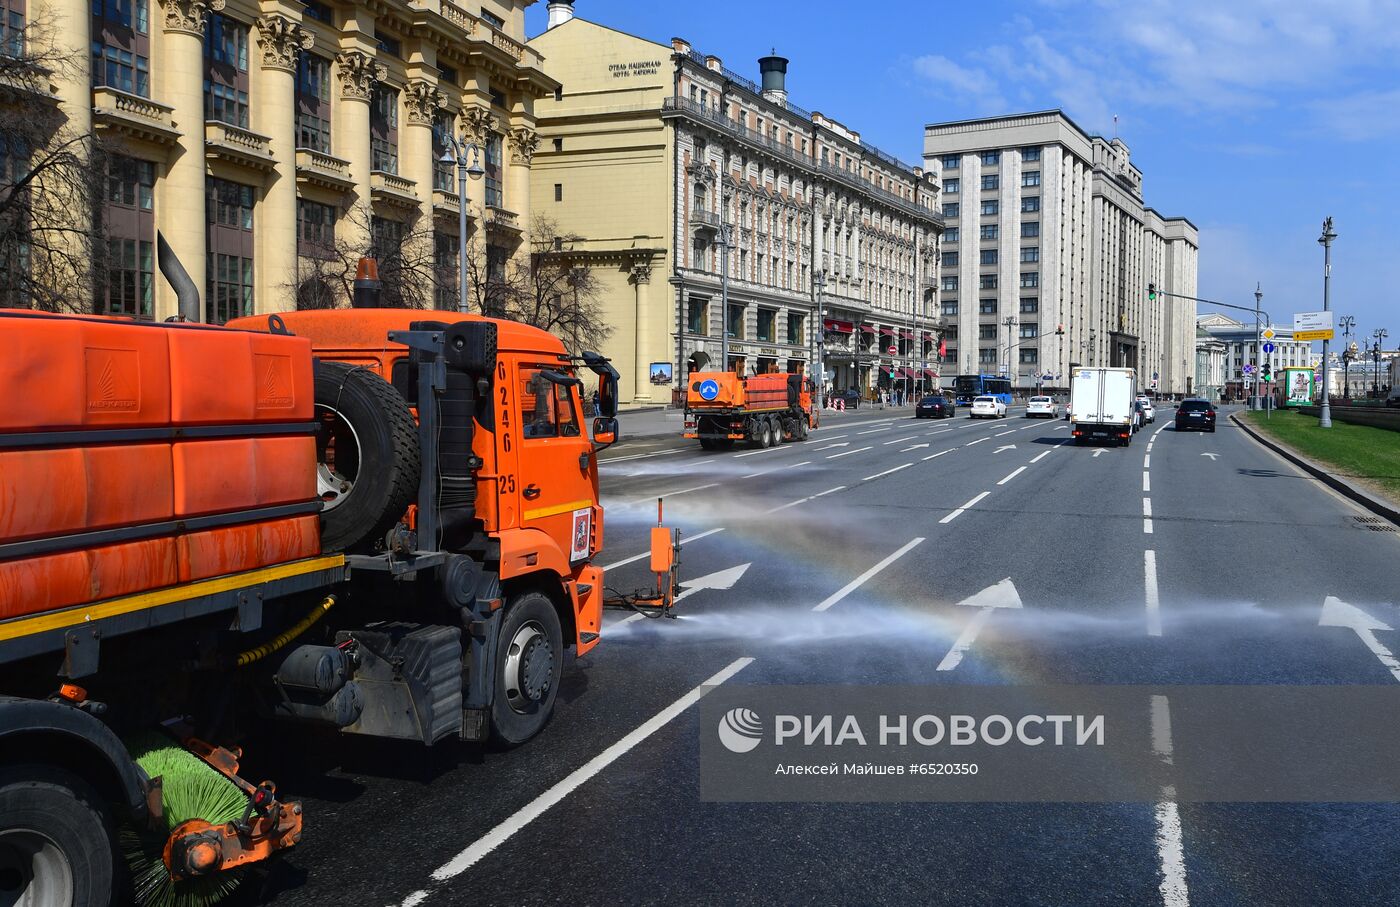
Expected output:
(709, 389)
(1268, 347)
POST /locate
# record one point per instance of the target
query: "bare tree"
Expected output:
(409, 270)
(552, 287)
(51, 183)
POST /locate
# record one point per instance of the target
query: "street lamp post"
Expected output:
(467, 156)
(819, 285)
(1380, 334)
(1347, 322)
(1010, 322)
(1258, 346)
(725, 242)
(1328, 234)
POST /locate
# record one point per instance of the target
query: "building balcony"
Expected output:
(224, 141)
(502, 220)
(446, 204)
(320, 169)
(134, 116)
(392, 189)
(702, 220)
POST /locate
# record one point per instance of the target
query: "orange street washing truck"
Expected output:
(763, 410)
(378, 521)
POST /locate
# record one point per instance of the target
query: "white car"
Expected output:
(1042, 406)
(988, 408)
(1149, 412)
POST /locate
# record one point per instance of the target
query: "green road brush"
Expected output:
(190, 789)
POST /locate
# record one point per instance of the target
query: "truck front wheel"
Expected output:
(529, 661)
(56, 845)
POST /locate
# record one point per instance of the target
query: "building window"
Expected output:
(987, 356)
(1029, 357)
(988, 231)
(1030, 254)
(991, 158)
(494, 196)
(951, 161)
(950, 210)
(991, 182)
(987, 282)
(11, 28)
(990, 207)
(951, 186)
(986, 332)
(389, 45)
(226, 71)
(443, 169)
(320, 12)
(1030, 280)
(950, 234)
(735, 325)
(1030, 229)
(1029, 330)
(987, 307)
(128, 286)
(384, 130)
(988, 257)
(229, 209)
(314, 103)
(950, 308)
(315, 228)
(1030, 155)
(950, 284)
(950, 259)
(767, 318)
(1030, 204)
(1030, 178)
(131, 183)
(121, 55)
(1030, 305)
(795, 333)
(697, 315)
(492, 18)
(445, 266)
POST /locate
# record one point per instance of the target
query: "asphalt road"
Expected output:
(1185, 558)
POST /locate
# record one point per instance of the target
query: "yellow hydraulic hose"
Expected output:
(267, 648)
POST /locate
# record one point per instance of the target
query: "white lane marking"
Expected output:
(659, 453)
(886, 472)
(835, 438)
(779, 469)
(1016, 472)
(646, 554)
(1058, 428)
(1147, 507)
(859, 581)
(1149, 579)
(872, 431)
(802, 500)
(830, 446)
(1160, 430)
(1146, 461)
(672, 494)
(957, 513)
(1146, 527)
(1146, 481)
(754, 453)
(978, 441)
(541, 804)
(940, 453)
(1171, 850)
(1000, 433)
(847, 453)
(901, 440)
(1337, 613)
(1038, 457)
(822, 494)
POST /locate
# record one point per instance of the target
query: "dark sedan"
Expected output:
(1195, 413)
(935, 407)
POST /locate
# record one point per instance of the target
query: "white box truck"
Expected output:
(1101, 404)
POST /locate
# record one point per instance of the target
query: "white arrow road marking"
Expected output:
(886, 472)
(541, 804)
(1002, 595)
(1005, 447)
(959, 512)
(1213, 456)
(848, 453)
(1337, 613)
(1099, 451)
(830, 446)
(915, 447)
(856, 583)
(721, 580)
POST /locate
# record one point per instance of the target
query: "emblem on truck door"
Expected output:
(709, 389)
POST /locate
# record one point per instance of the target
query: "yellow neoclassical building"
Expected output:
(256, 134)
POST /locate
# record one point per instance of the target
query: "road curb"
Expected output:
(1364, 498)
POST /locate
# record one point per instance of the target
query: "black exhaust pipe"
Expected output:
(179, 279)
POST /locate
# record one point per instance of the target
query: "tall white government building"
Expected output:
(1048, 252)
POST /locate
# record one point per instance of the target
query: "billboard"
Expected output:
(1297, 386)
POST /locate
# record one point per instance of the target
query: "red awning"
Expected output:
(866, 329)
(927, 335)
(907, 335)
(930, 373)
(839, 327)
(886, 332)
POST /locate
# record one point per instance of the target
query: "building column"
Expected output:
(180, 213)
(422, 102)
(523, 141)
(274, 115)
(358, 74)
(641, 382)
(478, 123)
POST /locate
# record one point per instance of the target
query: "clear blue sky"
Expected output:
(1254, 119)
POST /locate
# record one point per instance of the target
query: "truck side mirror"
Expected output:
(607, 395)
(604, 431)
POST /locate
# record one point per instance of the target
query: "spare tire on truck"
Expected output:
(367, 457)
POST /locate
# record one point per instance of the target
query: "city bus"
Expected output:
(968, 387)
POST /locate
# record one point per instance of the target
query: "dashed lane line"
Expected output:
(859, 581)
(886, 472)
(849, 452)
(959, 512)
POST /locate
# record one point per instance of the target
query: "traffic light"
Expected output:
(1268, 373)
(1152, 291)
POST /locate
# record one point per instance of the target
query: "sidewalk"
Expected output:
(652, 422)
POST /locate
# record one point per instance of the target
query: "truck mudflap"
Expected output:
(587, 595)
